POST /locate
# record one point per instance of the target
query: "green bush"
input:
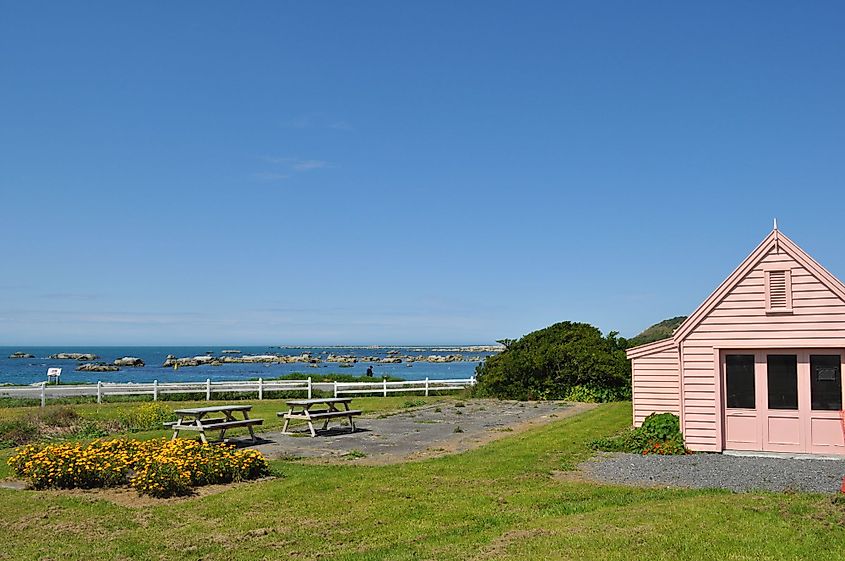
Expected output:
(552, 362)
(147, 416)
(588, 394)
(60, 416)
(15, 432)
(89, 429)
(660, 433)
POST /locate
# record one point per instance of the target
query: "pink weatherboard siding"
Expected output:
(747, 316)
(656, 385)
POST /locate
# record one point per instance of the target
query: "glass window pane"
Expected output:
(825, 383)
(739, 381)
(783, 381)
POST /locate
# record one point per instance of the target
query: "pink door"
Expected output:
(742, 421)
(782, 422)
(824, 431)
(784, 401)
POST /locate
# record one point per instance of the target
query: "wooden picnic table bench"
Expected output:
(301, 409)
(194, 419)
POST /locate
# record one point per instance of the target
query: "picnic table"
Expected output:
(301, 409)
(195, 419)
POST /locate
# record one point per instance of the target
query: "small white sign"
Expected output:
(53, 373)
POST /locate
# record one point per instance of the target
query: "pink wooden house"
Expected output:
(758, 366)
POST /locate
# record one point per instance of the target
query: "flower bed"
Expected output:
(160, 468)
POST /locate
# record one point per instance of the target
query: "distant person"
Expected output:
(369, 372)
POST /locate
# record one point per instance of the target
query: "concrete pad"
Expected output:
(417, 433)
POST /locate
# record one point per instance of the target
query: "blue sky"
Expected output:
(396, 172)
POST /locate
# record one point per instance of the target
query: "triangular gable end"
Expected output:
(775, 239)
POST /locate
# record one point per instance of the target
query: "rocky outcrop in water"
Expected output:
(210, 360)
(128, 361)
(97, 367)
(21, 355)
(171, 361)
(74, 356)
(342, 360)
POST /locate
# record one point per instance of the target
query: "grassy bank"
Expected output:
(506, 500)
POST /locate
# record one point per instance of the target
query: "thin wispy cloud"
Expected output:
(290, 166)
(317, 121)
(308, 165)
(298, 164)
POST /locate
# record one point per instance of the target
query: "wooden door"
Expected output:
(741, 396)
(781, 409)
(824, 425)
(784, 401)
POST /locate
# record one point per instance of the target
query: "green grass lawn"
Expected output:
(505, 500)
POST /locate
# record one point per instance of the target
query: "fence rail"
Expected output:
(385, 387)
(208, 388)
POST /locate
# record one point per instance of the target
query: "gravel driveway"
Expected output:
(419, 432)
(736, 473)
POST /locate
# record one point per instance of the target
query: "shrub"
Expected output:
(60, 416)
(160, 468)
(15, 432)
(660, 433)
(89, 429)
(590, 394)
(551, 362)
(147, 416)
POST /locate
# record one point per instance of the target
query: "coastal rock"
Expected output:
(170, 361)
(446, 358)
(96, 367)
(21, 355)
(74, 356)
(343, 360)
(128, 361)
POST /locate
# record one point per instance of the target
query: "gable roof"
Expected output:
(650, 348)
(775, 240)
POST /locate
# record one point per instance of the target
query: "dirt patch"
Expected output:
(418, 433)
(500, 546)
(126, 496)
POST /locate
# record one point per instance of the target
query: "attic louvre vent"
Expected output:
(778, 291)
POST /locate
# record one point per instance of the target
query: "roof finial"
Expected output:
(776, 224)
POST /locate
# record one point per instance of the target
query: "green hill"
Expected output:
(658, 331)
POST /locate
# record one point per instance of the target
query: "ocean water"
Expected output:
(31, 370)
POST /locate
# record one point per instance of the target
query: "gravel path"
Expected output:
(421, 432)
(708, 471)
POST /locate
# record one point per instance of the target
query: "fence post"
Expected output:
(426, 387)
(155, 390)
(309, 387)
(43, 394)
(208, 389)
(260, 389)
(99, 391)
(384, 381)
(335, 388)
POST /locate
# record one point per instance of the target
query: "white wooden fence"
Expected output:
(101, 390)
(384, 387)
